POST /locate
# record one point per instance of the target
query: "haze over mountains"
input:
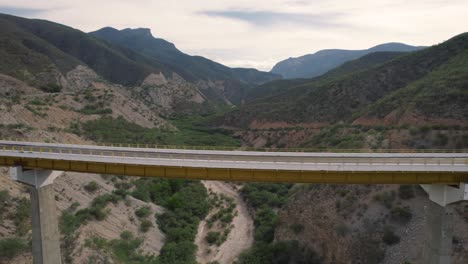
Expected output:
(312, 65)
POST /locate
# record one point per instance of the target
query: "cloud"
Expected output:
(258, 33)
(272, 18)
(21, 11)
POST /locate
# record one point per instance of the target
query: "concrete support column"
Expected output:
(439, 235)
(45, 233)
(439, 221)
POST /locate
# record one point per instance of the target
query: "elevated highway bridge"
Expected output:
(442, 175)
(235, 165)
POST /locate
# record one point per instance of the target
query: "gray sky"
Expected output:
(259, 33)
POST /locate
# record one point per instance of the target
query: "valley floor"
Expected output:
(241, 236)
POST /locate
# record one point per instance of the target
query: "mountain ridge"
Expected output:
(237, 81)
(312, 65)
(344, 99)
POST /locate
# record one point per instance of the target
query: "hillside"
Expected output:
(281, 86)
(236, 81)
(312, 65)
(349, 97)
(42, 53)
(36, 50)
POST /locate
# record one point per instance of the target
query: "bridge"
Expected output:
(442, 175)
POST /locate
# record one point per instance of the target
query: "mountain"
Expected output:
(363, 63)
(427, 86)
(192, 68)
(316, 64)
(36, 50)
(42, 53)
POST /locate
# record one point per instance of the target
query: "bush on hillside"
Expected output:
(51, 88)
(91, 187)
(406, 192)
(11, 247)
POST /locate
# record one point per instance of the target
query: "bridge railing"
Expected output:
(244, 148)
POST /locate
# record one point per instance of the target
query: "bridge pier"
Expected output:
(439, 221)
(45, 233)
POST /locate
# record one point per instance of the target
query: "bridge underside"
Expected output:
(255, 175)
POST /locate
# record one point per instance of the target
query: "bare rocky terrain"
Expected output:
(345, 223)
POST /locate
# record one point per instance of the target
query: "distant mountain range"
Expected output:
(312, 65)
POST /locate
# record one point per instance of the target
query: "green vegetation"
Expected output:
(12, 247)
(406, 192)
(389, 237)
(95, 110)
(266, 194)
(236, 81)
(37, 102)
(213, 237)
(118, 130)
(22, 216)
(143, 212)
(277, 253)
(92, 186)
(401, 214)
(4, 202)
(70, 220)
(264, 197)
(123, 250)
(386, 198)
(430, 82)
(297, 228)
(145, 225)
(342, 229)
(51, 88)
(223, 212)
(186, 203)
(265, 223)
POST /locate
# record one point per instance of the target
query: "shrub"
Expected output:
(297, 228)
(406, 192)
(279, 252)
(143, 212)
(145, 225)
(51, 88)
(11, 247)
(91, 187)
(385, 199)
(401, 214)
(341, 229)
(212, 237)
(265, 223)
(441, 139)
(22, 216)
(4, 199)
(389, 237)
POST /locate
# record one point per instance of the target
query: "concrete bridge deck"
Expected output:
(397, 168)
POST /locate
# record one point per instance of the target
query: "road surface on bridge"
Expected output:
(314, 167)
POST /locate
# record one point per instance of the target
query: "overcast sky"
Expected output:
(259, 33)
